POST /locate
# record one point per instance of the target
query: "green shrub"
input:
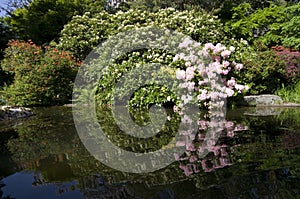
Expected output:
(273, 25)
(286, 29)
(144, 96)
(264, 72)
(249, 24)
(41, 76)
(85, 32)
(290, 93)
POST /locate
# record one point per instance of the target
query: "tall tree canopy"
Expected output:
(5, 35)
(42, 20)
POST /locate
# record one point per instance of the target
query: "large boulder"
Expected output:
(263, 100)
(9, 112)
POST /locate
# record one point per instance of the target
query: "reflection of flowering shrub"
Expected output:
(192, 160)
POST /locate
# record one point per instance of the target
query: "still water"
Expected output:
(256, 156)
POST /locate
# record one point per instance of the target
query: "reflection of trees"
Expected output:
(44, 135)
(256, 161)
(7, 165)
(130, 143)
(44, 143)
(94, 186)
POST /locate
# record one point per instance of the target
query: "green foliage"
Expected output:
(5, 35)
(144, 96)
(286, 29)
(86, 31)
(273, 25)
(263, 71)
(290, 93)
(249, 25)
(222, 7)
(42, 20)
(40, 78)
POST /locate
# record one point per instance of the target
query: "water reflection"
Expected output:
(256, 156)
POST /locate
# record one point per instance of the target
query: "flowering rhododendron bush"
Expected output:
(85, 32)
(40, 76)
(207, 73)
(196, 75)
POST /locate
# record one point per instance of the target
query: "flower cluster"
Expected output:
(207, 73)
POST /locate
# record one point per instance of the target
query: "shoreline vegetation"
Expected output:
(41, 54)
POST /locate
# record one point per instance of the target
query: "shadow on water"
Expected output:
(257, 156)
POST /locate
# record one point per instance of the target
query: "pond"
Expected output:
(256, 156)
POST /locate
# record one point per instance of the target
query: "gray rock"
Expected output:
(9, 112)
(263, 100)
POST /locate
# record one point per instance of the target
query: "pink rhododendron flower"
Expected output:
(186, 42)
(187, 169)
(225, 53)
(190, 86)
(202, 124)
(190, 71)
(239, 87)
(186, 98)
(193, 158)
(201, 82)
(225, 64)
(188, 64)
(229, 92)
(209, 46)
(238, 66)
(213, 95)
(232, 49)
(230, 133)
(202, 97)
(176, 57)
(180, 74)
(231, 83)
(229, 124)
(219, 48)
(169, 118)
(225, 72)
(175, 109)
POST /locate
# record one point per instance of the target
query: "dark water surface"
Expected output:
(256, 157)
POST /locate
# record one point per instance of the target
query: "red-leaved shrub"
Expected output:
(291, 59)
